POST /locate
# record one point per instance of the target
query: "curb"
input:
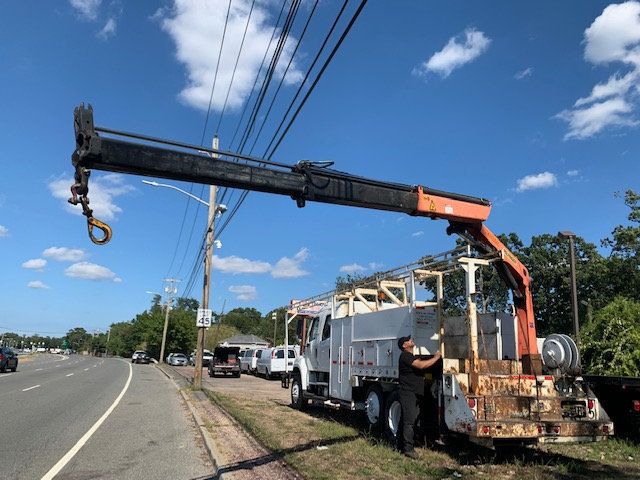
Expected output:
(204, 433)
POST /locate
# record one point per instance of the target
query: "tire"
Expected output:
(297, 400)
(14, 368)
(393, 418)
(374, 408)
(237, 375)
(3, 369)
(267, 375)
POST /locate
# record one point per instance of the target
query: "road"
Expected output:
(53, 401)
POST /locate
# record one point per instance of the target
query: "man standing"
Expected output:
(411, 379)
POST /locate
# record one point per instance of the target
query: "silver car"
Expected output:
(177, 359)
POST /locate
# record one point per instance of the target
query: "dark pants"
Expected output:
(410, 403)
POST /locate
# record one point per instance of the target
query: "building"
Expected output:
(245, 342)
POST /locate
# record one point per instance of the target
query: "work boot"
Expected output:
(411, 454)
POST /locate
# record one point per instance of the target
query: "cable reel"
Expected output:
(560, 352)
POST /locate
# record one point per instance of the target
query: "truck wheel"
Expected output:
(297, 400)
(393, 418)
(374, 408)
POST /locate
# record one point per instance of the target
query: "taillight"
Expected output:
(472, 403)
(605, 429)
(539, 429)
(590, 404)
(1, 357)
(485, 429)
(636, 405)
(556, 429)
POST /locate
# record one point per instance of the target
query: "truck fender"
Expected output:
(300, 367)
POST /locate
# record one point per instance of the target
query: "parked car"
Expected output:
(140, 356)
(8, 360)
(225, 360)
(249, 360)
(271, 361)
(177, 359)
(207, 356)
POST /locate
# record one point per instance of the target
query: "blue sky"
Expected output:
(531, 106)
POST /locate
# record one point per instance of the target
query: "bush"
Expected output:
(611, 341)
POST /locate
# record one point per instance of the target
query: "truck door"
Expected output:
(311, 349)
(324, 346)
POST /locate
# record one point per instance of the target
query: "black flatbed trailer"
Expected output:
(620, 397)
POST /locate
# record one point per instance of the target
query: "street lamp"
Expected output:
(215, 210)
(574, 293)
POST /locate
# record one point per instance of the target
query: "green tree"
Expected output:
(78, 338)
(624, 260)
(611, 341)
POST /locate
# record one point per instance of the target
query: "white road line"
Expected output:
(5, 375)
(69, 374)
(95, 366)
(57, 366)
(30, 388)
(86, 369)
(76, 448)
(38, 369)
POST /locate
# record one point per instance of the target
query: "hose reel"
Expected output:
(560, 353)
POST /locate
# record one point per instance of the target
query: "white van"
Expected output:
(271, 361)
(249, 359)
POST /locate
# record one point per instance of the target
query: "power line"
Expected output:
(204, 130)
(293, 118)
(235, 66)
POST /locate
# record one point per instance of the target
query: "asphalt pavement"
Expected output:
(53, 401)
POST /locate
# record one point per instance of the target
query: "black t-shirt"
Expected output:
(410, 378)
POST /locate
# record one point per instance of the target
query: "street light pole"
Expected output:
(574, 292)
(206, 287)
(170, 289)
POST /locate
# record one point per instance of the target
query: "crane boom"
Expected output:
(304, 181)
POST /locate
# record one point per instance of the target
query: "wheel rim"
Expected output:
(295, 392)
(393, 418)
(373, 407)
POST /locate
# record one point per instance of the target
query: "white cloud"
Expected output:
(64, 254)
(244, 292)
(375, 265)
(87, 9)
(419, 233)
(537, 181)
(102, 192)
(352, 268)
(460, 50)
(613, 37)
(196, 28)
(573, 173)
(523, 73)
(91, 271)
(37, 284)
(586, 122)
(291, 267)
(109, 29)
(4, 231)
(236, 265)
(35, 264)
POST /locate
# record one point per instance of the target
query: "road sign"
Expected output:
(204, 317)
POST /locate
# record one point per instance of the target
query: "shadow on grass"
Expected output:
(278, 455)
(463, 452)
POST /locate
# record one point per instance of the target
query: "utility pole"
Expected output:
(171, 289)
(206, 287)
(574, 291)
(274, 317)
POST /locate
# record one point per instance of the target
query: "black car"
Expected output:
(8, 360)
(141, 357)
